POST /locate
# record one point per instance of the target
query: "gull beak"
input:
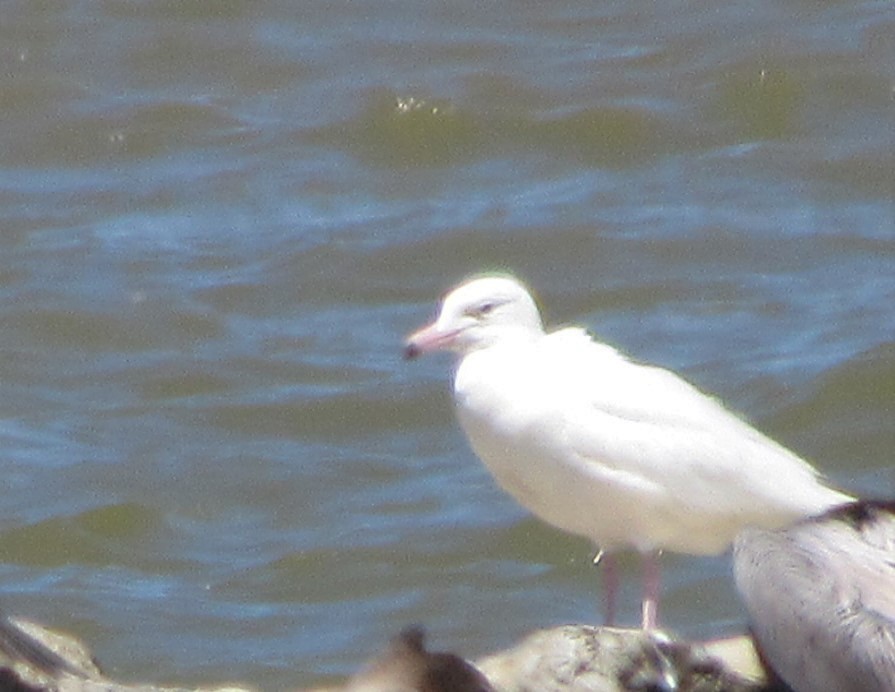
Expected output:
(429, 338)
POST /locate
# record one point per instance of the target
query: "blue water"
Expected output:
(218, 221)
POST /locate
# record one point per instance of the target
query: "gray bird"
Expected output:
(821, 598)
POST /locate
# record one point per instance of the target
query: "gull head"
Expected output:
(477, 314)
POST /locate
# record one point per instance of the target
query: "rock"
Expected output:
(35, 659)
(577, 658)
(573, 658)
(408, 667)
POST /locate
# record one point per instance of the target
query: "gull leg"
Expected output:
(610, 586)
(651, 585)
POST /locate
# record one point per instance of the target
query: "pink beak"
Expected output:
(429, 338)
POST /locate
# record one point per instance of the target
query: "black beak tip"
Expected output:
(411, 351)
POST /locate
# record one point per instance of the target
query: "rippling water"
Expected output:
(219, 220)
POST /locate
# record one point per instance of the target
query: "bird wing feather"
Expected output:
(653, 425)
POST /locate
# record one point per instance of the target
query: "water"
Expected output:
(219, 220)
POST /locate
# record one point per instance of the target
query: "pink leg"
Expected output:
(651, 586)
(610, 586)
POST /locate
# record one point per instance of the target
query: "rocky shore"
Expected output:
(572, 658)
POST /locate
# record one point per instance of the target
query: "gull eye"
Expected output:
(481, 310)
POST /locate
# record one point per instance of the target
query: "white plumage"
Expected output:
(625, 454)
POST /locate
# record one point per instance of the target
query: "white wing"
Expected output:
(691, 456)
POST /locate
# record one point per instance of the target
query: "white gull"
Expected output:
(630, 456)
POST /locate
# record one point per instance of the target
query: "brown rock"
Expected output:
(407, 667)
(572, 658)
(577, 658)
